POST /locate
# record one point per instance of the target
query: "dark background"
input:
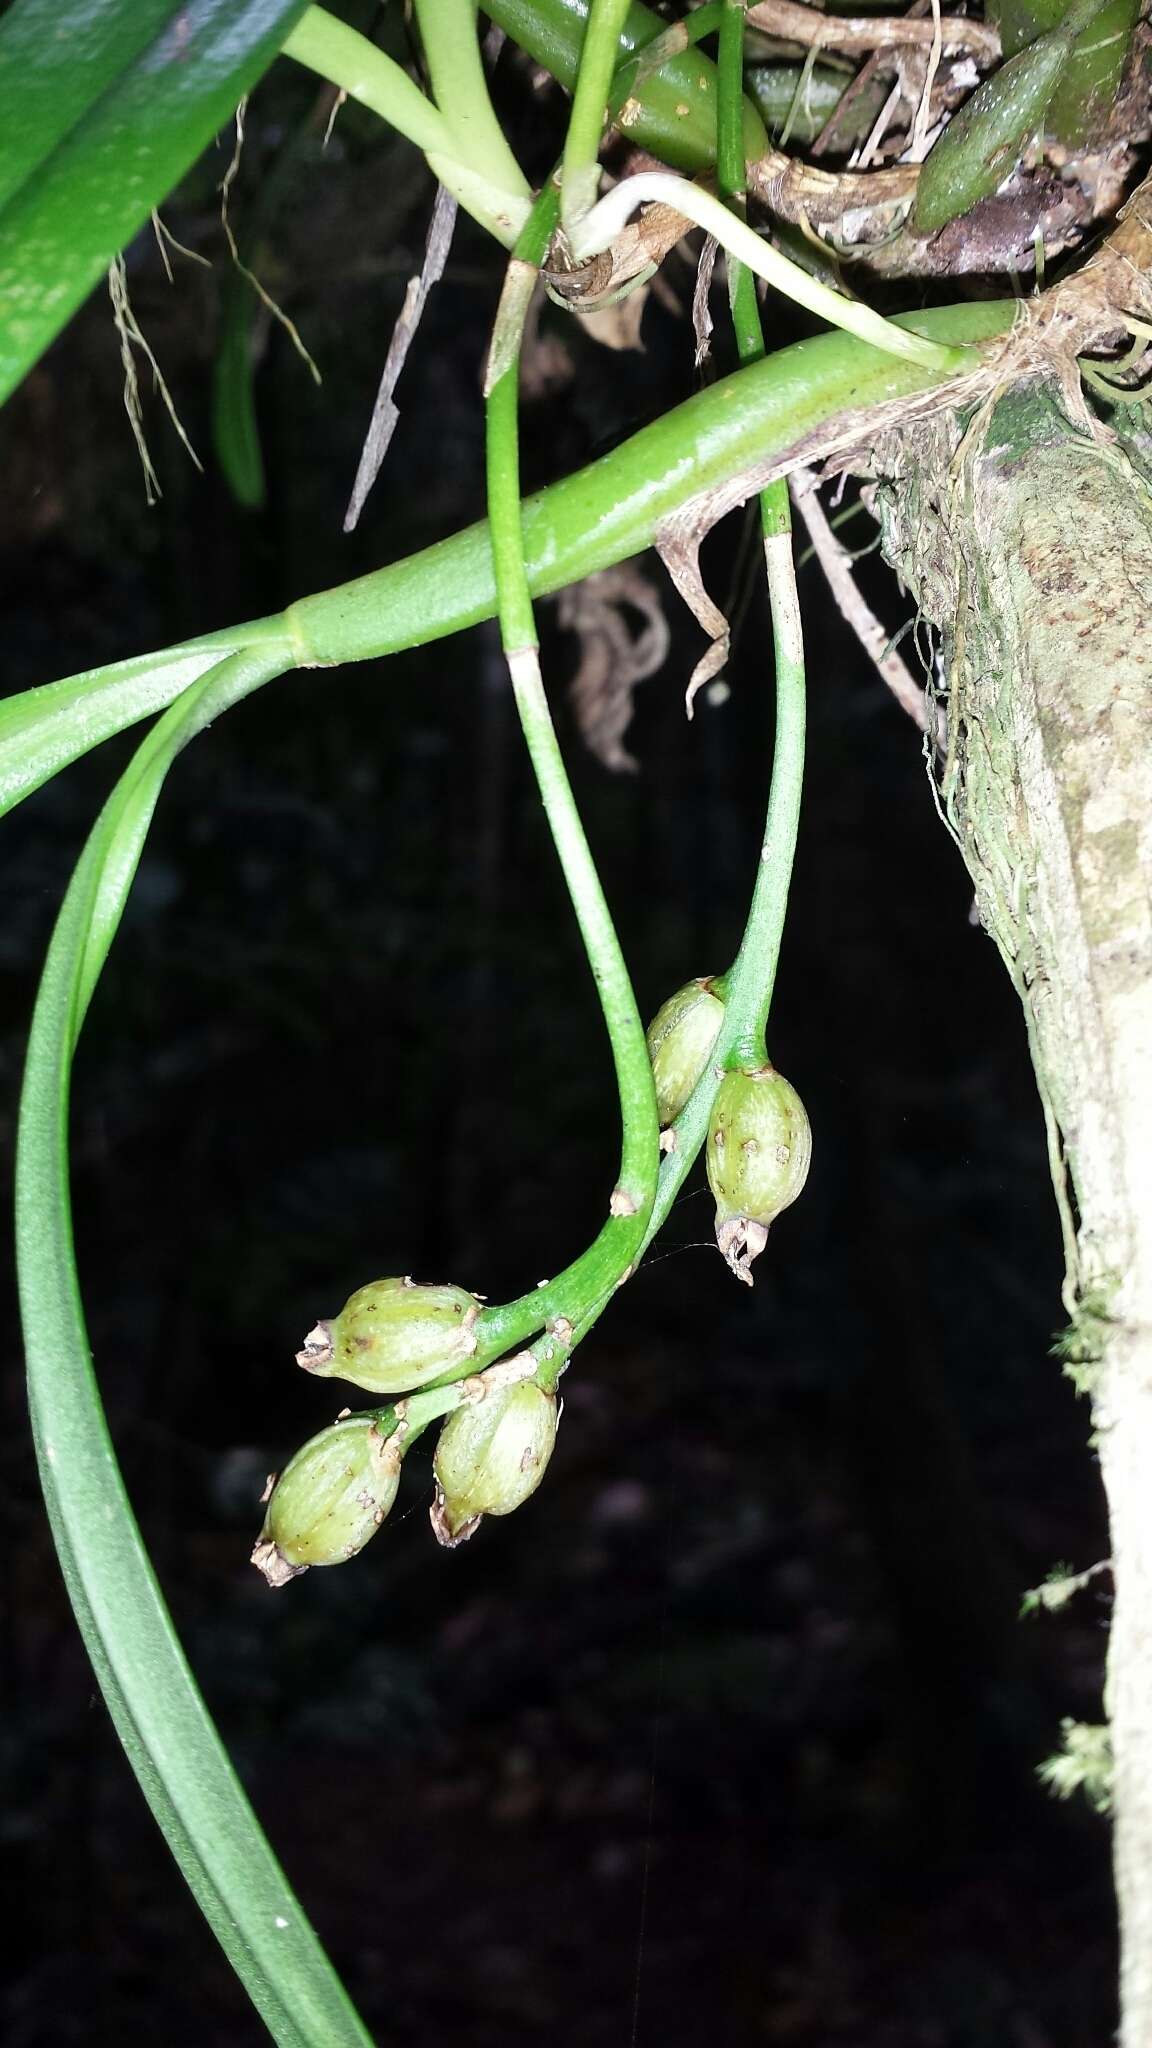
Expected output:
(730, 1735)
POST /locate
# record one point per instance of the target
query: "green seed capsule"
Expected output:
(985, 141)
(392, 1335)
(759, 1152)
(680, 1038)
(329, 1500)
(490, 1457)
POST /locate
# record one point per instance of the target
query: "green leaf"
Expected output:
(106, 103)
(55, 63)
(159, 1714)
(44, 730)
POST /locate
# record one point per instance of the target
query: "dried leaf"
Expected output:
(678, 546)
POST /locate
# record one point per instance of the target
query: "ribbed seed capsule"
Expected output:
(490, 1457)
(392, 1336)
(680, 1038)
(329, 1500)
(759, 1152)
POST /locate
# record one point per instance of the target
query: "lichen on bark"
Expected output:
(1026, 537)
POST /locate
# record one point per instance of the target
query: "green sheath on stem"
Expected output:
(730, 108)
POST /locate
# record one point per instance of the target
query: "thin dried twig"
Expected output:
(879, 60)
(918, 139)
(836, 563)
(386, 412)
(338, 100)
(887, 114)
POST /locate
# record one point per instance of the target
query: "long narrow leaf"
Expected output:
(46, 729)
(151, 1694)
(113, 157)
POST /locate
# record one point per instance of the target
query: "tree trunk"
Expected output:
(1028, 540)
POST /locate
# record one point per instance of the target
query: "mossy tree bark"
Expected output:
(1026, 536)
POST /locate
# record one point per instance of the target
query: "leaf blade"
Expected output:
(83, 200)
(151, 1694)
(55, 63)
(45, 729)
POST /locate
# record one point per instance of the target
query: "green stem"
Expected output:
(752, 978)
(750, 981)
(580, 177)
(460, 89)
(513, 597)
(612, 1252)
(630, 75)
(570, 1305)
(368, 75)
(730, 173)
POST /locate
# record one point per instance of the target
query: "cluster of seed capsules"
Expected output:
(393, 1337)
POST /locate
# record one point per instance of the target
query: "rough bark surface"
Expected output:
(1028, 540)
